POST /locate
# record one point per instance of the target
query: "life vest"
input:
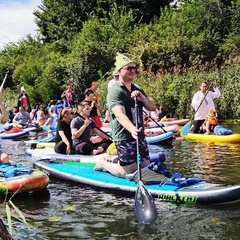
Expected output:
(212, 120)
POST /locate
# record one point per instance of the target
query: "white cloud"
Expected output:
(17, 20)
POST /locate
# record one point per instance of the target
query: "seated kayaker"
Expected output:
(210, 121)
(3, 118)
(63, 137)
(22, 118)
(83, 128)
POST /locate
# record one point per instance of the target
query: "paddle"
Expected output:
(35, 112)
(95, 126)
(145, 210)
(4, 80)
(155, 122)
(186, 128)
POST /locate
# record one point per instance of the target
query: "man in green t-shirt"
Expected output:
(120, 101)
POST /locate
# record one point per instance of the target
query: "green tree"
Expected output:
(95, 47)
(60, 20)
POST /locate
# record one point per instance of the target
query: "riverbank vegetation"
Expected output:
(175, 45)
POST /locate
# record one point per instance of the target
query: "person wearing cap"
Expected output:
(110, 84)
(121, 105)
(114, 80)
(23, 100)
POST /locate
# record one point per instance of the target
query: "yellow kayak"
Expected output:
(232, 138)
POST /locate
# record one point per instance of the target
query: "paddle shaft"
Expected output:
(95, 126)
(201, 102)
(35, 112)
(137, 142)
(55, 100)
(155, 122)
(145, 210)
(4, 80)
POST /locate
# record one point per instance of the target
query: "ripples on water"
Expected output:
(101, 215)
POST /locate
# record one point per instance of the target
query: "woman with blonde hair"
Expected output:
(63, 137)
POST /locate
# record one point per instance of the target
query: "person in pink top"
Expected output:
(68, 96)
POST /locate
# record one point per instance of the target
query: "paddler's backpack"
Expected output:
(220, 130)
(157, 173)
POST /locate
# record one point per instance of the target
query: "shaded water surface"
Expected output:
(100, 215)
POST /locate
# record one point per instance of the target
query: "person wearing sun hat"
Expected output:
(121, 106)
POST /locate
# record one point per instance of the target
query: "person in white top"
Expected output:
(110, 84)
(114, 80)
(202, 102)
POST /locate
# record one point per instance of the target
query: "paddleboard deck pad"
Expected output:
(164, 137)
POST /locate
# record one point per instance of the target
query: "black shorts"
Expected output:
(127, 151)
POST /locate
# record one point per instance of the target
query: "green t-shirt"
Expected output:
(120, 95)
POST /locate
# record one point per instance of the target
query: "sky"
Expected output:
(17, 20)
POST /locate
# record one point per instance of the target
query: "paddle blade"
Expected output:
(186, 128)
(145, 210)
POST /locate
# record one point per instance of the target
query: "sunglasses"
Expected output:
(130, 68)
(70, 113)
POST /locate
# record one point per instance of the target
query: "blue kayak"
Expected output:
(161, 138)
(172, 188)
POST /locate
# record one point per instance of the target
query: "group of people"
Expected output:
(74, 132)
(125, 131)
(120, 101)
(75, 128)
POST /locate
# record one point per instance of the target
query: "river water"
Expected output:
(95, 214)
